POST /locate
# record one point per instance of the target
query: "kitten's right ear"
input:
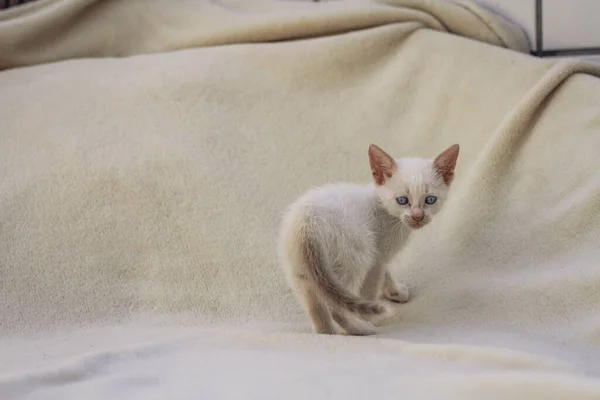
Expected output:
(383, 165)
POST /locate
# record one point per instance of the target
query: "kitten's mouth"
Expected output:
(416, 225)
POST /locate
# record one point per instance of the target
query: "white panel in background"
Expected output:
(571, 24)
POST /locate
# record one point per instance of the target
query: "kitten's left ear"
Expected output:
(445, 163)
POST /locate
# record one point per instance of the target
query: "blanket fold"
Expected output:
(52, 30)
(149, 149)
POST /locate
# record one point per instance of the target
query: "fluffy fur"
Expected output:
(337, 240)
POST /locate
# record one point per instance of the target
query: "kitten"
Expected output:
(336, 240)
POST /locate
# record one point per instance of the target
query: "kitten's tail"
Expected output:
(330, 286)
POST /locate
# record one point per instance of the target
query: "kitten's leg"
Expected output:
(396, 292)
(352, 324)
(318, 311)
(371, 286)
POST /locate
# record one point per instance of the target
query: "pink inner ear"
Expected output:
(382, 164)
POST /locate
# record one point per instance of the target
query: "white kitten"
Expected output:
(336, 240)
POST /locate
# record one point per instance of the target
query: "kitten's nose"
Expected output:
(417, 217)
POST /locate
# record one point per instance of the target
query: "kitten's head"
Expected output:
(413, 189)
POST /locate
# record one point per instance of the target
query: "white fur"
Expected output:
(361, 228)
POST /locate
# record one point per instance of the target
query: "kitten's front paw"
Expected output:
(397, 294)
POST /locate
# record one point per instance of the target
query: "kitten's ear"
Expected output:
(445, 163)
(383, 165)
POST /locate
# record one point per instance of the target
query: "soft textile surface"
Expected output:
(140, 199)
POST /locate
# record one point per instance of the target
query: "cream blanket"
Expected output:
(140, 197)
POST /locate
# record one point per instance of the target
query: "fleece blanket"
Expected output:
(149, 148)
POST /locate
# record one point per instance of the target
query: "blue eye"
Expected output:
(402, 200)
(430, 199)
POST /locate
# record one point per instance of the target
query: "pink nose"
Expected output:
(417, 217)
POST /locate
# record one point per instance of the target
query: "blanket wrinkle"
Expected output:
(148, 150)
(497, 157)
(64, 29)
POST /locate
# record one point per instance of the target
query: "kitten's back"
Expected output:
(328, 230)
